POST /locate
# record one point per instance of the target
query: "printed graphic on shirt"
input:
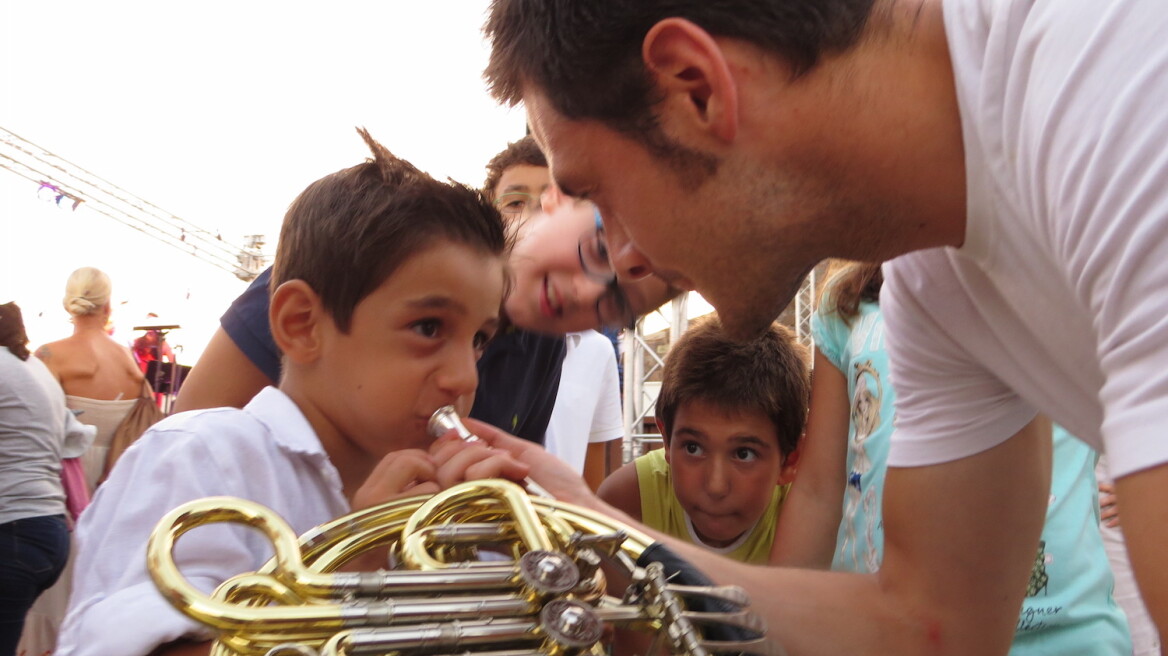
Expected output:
(1038, 577)
(865, 418)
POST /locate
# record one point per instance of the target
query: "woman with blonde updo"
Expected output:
(99, 375)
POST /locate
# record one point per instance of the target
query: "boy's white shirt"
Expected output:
(266, 452)
(588, 403)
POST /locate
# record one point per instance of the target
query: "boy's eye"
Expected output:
(427, 327)
(746, 455)
(692, 448)
(481, 339)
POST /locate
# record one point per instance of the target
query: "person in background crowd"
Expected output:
(98, 374)
(36, 432)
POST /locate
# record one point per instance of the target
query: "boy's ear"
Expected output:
(664, 437)
(296, 315)
(691, 71)
(790, 465)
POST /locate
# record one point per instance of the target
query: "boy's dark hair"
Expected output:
(12, 333)
(349, 231)
(585, 57)
(849, 284)
(517, 153)
(768, 373)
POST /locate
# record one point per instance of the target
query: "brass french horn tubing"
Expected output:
(447, 601)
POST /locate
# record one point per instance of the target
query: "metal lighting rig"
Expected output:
(73, 185)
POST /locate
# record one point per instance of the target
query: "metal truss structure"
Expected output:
(71, 184)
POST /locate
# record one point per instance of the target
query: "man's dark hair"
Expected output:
(517, 153)
(349, 231)
(768, 374)
(585, 56)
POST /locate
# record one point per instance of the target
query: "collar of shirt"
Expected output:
(290, 429)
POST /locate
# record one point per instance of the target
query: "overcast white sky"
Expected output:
(220, 112)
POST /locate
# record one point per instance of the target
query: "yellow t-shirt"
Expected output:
(661, 510)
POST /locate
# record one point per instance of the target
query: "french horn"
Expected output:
(480, 568)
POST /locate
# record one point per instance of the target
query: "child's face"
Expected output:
(517, 194)
(725, 466)
(411, 348)
(551, 292)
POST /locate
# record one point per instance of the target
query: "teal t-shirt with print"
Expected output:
(1069, 609)
(856, 348)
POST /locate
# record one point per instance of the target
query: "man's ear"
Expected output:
(296, 316)
(693, 77)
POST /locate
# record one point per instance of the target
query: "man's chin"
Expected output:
(744, 326)
(744, 319)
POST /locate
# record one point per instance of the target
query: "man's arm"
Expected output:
(223, 377)
(960, 538)
(1145, 528)
(810, 516)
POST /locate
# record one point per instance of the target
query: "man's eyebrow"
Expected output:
(515, 186)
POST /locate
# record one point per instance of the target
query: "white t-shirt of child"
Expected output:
(266, 452)
(588, 404)
(1058, 300)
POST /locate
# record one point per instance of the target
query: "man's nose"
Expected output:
(628, 262)
(551, 199)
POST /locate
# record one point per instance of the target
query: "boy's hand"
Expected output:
(399, 474)
(458, 461)
(1109, 509)
(563, 482)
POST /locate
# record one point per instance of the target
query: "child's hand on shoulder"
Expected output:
(404, 473)
(458, 461)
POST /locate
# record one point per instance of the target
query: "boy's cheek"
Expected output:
(464, 404)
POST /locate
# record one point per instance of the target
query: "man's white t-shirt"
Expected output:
(588, 404)
(1058, 300)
